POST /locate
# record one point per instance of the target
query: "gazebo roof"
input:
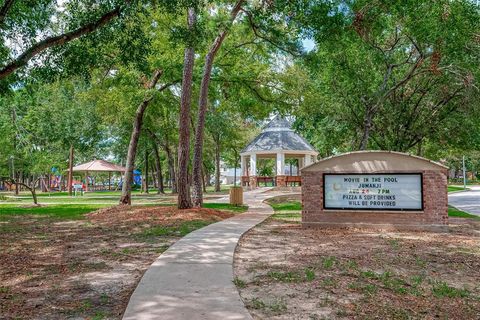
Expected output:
(278, 135)
(99, 166)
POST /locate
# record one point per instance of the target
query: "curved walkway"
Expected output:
(468, 201)
(193, 279)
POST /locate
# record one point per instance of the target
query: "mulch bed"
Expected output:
(87, 269)
(286, 272)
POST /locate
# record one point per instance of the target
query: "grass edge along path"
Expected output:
(456, 188)
(291, 210)
(77, 211)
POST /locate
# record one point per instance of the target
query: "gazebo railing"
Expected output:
(287, 181)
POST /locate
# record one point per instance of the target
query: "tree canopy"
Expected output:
(393, 75)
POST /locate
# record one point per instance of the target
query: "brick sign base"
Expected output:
(433, 216)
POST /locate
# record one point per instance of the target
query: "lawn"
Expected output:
(226, 206)
(65, 261)
(99, 197)
(456, 188)
(70, 211)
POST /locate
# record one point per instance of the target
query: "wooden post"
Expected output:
(86, 181)
(70, 172)
(109, 181)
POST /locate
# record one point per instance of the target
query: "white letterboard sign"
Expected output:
(373, 191)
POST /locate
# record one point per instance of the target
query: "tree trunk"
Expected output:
(184, 200)
(204, 183)
(126, 197)
(207, 175)
(171, 170)
(217, 166)
(158, 166)
(34, 195)
(70, 172)
(367, 125)
(146, 170)
(419, 149)
(30, 187)
(17, 186)
(202, 110)
(153, 170)
(158, 163)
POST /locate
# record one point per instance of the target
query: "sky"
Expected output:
(308, 44)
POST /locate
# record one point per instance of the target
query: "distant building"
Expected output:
(227, 174)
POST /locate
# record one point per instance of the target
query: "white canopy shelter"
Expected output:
(98, 166)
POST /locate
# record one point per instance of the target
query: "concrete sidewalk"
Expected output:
(193, 278)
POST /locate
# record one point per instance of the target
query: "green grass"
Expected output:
(285, 276)
(287, 216)
(65, 194)
(442, 289)
(239, 283)
(287, 206)
(455, 188)
(226, 206)
(454, 212)
(177, 230)
(77, 210)
(288, 210)
(70, 211)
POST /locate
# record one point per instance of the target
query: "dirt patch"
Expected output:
(284, 189)
(86, 269)
(132, 215)
(284, 198)
(286, 272)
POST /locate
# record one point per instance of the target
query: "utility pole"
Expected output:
(464, 174)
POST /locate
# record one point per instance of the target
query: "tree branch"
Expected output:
(168, 85)
(55, 41)
(4, 10)
(264, 38)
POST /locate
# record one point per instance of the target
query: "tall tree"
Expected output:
(389, 75)
(202, 108)
(126, 197)
(183, 183)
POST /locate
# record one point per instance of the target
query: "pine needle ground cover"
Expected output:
(84, 261)
(285, 272)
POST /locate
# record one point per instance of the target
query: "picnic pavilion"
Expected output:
(98, 166)
(278, 141)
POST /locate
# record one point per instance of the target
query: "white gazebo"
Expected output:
(278, 141)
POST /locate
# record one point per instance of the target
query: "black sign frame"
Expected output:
(373, 174)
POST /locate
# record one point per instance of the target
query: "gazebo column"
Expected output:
(243, 166)
(281, 178)
(301, 164)
(243, 170)
(308, 160)
(253, 171)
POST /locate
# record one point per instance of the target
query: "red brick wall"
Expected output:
(435, 202)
